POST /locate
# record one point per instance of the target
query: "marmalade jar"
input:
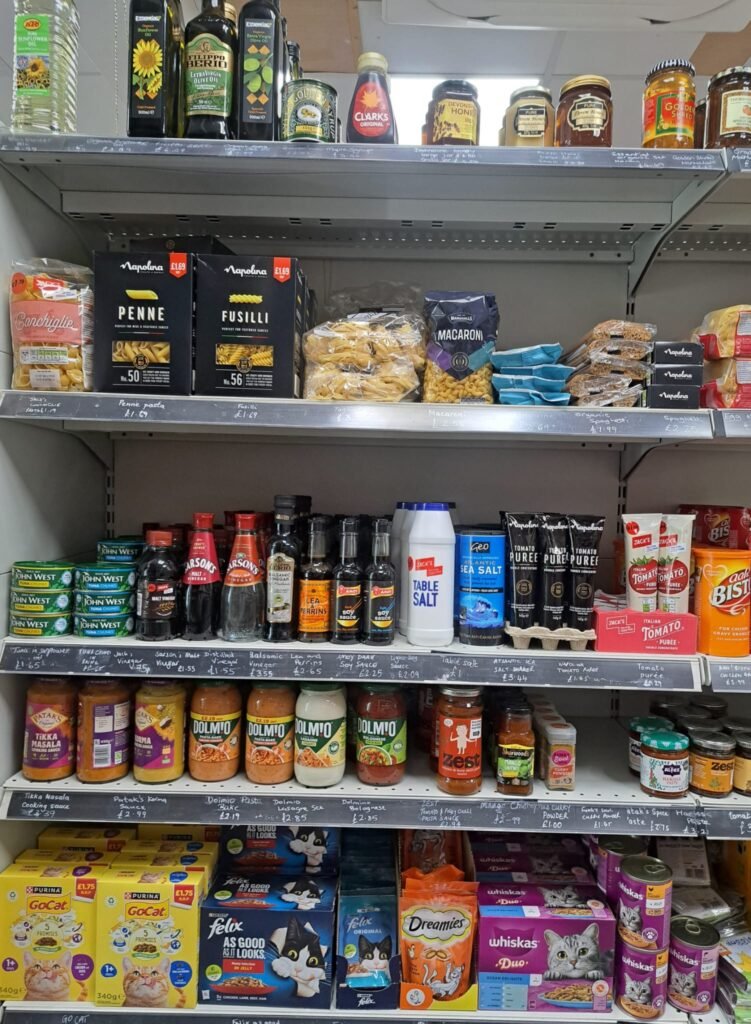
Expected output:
(729, 109)
(669, 106)
(585, 112)
(381, 735)
(459, 732)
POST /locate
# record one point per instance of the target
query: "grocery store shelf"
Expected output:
(498, 202)
(135, 414)
(732, 424)
(85, 1013)
(607, 799)
(401, 662)
(728, 675)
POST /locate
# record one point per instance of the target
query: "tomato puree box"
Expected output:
(537, 958)
(624, 631)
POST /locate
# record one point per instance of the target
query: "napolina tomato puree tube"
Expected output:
(722, 601)
(674, 563)
(642, 541)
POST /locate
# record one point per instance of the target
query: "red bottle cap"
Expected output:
(159, 538)
(203, 520)
(246, 521)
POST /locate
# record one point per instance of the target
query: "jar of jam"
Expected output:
(530, 118)
(742, 766)
(454, 115)
(669, 106)
(700, 120)
(636, 728)
(585, 113)
(729, 109)
(711, 763)
(664, 764)
(459, 732)
(381, 735)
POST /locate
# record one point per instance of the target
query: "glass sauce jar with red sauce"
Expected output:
(381, 735)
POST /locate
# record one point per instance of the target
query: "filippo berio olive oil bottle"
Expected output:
(155, 69)
(210, 58)
(262, 63)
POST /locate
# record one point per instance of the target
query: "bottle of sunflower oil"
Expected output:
(156, 55)
(45, 66)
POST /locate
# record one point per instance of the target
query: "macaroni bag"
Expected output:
(462, 333)
(51, 326)
(726, 333)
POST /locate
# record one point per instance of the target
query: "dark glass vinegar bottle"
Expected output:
(282, 571)
(202, 581)
(155, 69)
(261, 65)
(210, 60)
(158, 589)
(379, 616)
(346, 616)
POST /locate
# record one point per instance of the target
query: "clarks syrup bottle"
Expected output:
(371, 115)
(155, 69)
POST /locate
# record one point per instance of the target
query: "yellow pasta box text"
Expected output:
(108, 840)
(48, 932)
(147, 929)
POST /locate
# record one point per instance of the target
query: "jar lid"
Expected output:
(739, 69)
(694, 932)
(531, 90)
(461, 691)
(743, 741)
(736, 725)
(663, 740)
(701, 103)
(376, 61)
(455, 85)
(674, 64)
(716, 742)
(380, 687)
(271, 684)
(708, 702)
(321, 687)
(696, 717)
(653, 723)
(581, 81)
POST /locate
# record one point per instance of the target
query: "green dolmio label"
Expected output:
(41, 575)
(103, 625)
(93, 603)
(381, 741)
(40, 602)
(320, 743)
(110, 578)
(40, 625)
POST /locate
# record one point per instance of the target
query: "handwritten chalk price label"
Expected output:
(730, 676)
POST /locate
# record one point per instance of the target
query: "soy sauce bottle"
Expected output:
(379, 616)
(371, 115)
(347, 590)
(202, 581)
(210, 59)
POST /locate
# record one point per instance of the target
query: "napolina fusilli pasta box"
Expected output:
(250, 318)
(143, 323)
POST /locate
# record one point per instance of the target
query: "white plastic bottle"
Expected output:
(402, 567)
(430, 554)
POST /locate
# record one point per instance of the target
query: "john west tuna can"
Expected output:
(309, 111)
(610, 852)
(694, 953)
(641, 980)
(646, 896)
(481, 571)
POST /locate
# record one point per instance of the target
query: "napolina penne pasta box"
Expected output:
(250, 317)
(143, 322)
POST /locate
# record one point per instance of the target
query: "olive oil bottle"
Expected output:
(262, 65)
(156, 53)
(210, 58)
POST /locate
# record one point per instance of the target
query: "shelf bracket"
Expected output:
(100, 446)
(632, 457)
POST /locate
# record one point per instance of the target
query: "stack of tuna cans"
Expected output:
(105, 595)
(41, 599)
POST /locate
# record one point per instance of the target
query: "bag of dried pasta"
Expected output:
(437, 932)
(462, 332)
(366, 357)
(51, 326)
(726, 333)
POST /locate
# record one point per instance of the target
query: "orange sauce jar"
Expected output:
(722, 601)
(381, 735)
(270, 740)
(459, 733)
(215, 731)
(103, 748)
(49, 745)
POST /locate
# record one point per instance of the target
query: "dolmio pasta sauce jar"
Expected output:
(722, 601)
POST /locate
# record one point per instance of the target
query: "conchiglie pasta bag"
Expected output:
(51, 326)
(462, 332)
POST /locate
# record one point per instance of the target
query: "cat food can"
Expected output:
(40, 626)
(123, 550)
(308, 111)
(611, 851)
(93, 603)
(644, 902)
(41, 575)
(641, 980)
(694, 953)
(39, 602)
(106, 579)
(104, 625)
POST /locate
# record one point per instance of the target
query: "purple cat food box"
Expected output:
(268, 940)
(534, 867)
(544, 958)
(559, 896)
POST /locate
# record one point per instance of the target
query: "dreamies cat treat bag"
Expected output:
(147, 938)
(48, 931)
(545, 959)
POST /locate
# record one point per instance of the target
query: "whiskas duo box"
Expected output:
(268, 940)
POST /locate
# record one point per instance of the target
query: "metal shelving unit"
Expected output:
(400, 662)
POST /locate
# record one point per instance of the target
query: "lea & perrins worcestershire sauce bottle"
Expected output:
(202, 581)
(316, 579)
(371, 115)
